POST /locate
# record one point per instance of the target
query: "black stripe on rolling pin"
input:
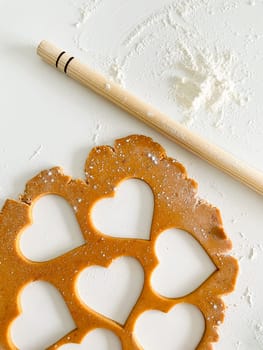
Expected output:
(66, 66)
(59, 57)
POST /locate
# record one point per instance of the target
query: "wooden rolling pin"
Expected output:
(151, 116)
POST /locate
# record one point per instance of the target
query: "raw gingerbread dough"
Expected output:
(176, 205)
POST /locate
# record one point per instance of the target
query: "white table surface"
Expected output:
(40, 109)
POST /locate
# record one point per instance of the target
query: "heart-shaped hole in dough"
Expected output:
(180, 329)
(128, 214)
(112, 291)
(54, 231)
(99, 339)
(183, 264)
(44, 317)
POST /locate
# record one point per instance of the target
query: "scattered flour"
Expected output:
(246, 250)
(252, 254)
(96, 135)
(238, 344)
(107, 86)
(256, 327)
(36, 153)
(86, 10)
(259, 328)
(248, 297)
(116, 73)
(203, 80)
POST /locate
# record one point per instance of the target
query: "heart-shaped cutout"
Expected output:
(128, 214)
(180, 329)
(112, 291)
(99, 339)
(44, 320)
(184, 264)
(54, 232)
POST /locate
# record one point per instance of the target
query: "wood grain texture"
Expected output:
(154, 118)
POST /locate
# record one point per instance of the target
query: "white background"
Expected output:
(42, 109)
